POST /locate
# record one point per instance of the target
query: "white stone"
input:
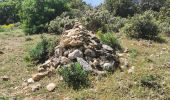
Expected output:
(84, 64)
(76, 53)
(50, 87)
(106, 47)
(30, 80)
(131, 70)
(35, 87)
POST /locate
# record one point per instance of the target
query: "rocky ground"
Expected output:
(140, 59)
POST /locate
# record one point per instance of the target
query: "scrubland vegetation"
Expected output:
(138, 31)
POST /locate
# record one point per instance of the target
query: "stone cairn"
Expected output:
(80, 45)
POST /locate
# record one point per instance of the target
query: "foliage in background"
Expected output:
(154, 5)
(141, 26)
(164, 20)
(115, 24)
(42, 51)
(36, 13)
(74, 76)
(109, 39)
(9, 10)
(60, 23)
(121, 8)
(95, 20)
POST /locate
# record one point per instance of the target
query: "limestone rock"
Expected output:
(75, 43)
(64, 60)
(58, 51)
(30, 81)
(38, 76)
(84, 64)
(75, 54)
(106, 47)
(131, 70)
(89, 52)
(35, 87)
(50, 87)
(109, 66)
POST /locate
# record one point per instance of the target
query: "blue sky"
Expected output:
(94, 2)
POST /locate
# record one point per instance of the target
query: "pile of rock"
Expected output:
(80, 45)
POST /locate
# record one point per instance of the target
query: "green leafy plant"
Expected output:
(96, 20)
(150, 81)
(133, 53)
(59, 24)
(115, 24)
(36, 13)
(75, 76)
(9, 10)
(109, 39)
(121, 8)
(141, 26)
(152, 4)
(42, 51)
(4, 98)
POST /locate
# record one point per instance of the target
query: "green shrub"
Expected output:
(150, 81)
(164, 27)
(133, 53)
(42, 51)
(152, 4)
(102, 20)
(36, 13)
(121, 8)
(9, 10)
(96, 20)
(59, 24)
(75, 76)
(109, 39)
(115, 24)
(164, 20)
(141, 26)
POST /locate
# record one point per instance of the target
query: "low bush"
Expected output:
(109, 39)
(165, 27)
(75, 76)
(133, 53)
(164, 20)
(96, 20)
(102, 20)
(150, 81)
(123, 8)
(115, 24)
(42, 51)
(36, 13)
(141, 26)
(59, 24)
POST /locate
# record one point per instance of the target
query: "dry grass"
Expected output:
(117, 86)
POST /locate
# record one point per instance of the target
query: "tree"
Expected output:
(9, 11)
(152, 4)
(121, 8)
(36, 13)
